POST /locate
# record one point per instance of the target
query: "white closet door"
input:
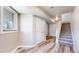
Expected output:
(41, 30)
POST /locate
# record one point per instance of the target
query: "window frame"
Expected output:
(2, 18)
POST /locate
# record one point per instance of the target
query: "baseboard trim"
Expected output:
(75, 51)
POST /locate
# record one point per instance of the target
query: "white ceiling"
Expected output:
(56, 10)
(52, 12)
(22, 9)
(31, 10)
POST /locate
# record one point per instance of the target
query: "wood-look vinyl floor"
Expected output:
(47, 47)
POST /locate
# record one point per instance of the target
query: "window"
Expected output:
(8, 19)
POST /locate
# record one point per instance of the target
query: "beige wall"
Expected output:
(75, 28)
(8, 42)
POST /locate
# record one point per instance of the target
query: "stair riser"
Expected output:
(66, 44)
(66, 38)
(66, 34)
(66, 41)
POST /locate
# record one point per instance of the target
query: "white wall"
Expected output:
(26, 30)
(52, 29)
(27, 27)
(58, 29)
(75, 28)
(41, 29)
(32, 30)
(8, 42)
(39, 12)
(66, 18)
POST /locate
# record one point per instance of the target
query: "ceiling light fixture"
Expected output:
(53, 20)
(52, 7)
(56, 19)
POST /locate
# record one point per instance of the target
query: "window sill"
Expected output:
(8, 32)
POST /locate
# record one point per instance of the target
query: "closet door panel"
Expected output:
(41, 27)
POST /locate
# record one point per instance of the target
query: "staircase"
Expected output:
(66, 36)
